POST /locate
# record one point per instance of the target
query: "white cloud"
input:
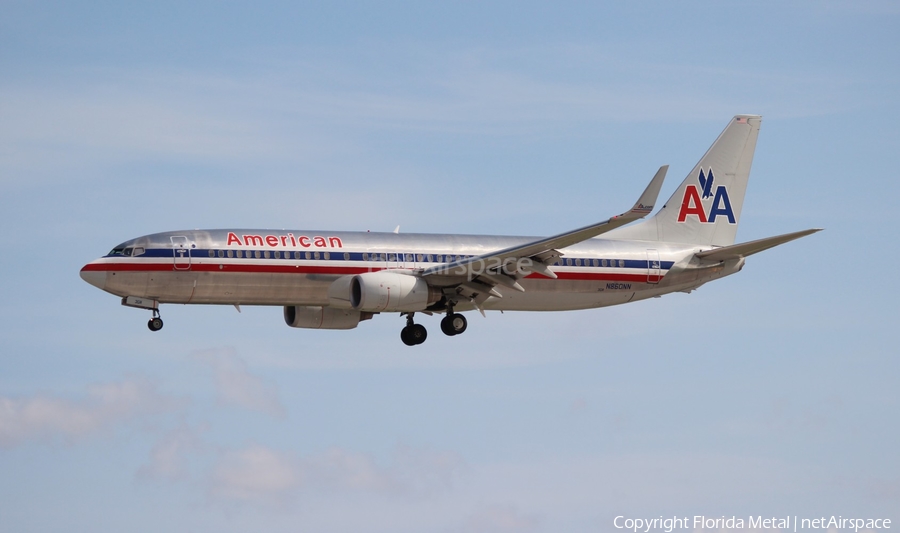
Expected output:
(42, 416)
(236, 385)
(169, 457)
(261, 475)
(256, 474)
(412, 472)
(339, 469)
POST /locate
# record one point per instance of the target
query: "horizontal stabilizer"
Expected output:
(752, 247)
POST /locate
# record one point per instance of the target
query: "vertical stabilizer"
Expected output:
(706, 207)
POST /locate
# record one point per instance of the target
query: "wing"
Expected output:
(480, 274)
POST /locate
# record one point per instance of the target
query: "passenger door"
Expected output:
(181, 250)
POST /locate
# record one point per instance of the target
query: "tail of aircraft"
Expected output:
(706, 207)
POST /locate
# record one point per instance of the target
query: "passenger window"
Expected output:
(212, 253)
(346, 256)
(327, 255)
(221, 253)
(229, 253)
(266, 254)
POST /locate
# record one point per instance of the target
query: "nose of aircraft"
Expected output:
(97, 278)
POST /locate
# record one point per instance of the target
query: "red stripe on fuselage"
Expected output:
(306, 269)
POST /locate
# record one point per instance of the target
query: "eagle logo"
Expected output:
(706, 182)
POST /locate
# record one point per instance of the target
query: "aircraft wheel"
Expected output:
(155, 324)
(418, 333)
(404, 336)
(447, 326)
(413, 335)
(454, 324)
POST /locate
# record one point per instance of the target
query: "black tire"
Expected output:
(155, 324)
(406, 337)
(418, 333)
(447, 326)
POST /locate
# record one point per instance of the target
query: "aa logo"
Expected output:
(696, 200)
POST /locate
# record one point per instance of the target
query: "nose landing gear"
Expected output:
(155, 323)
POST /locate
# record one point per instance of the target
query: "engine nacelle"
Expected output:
(387, 291)
(315, 317)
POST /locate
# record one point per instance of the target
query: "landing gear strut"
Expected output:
(413, 333)
(155, 323)
(453, 323)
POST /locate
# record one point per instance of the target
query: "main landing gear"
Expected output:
(413, 334)
(453, 324)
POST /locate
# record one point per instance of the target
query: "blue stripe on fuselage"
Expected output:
(300, 255)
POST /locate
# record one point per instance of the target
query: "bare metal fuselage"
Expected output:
(281, 268)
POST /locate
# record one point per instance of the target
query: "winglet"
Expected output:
(644, 205)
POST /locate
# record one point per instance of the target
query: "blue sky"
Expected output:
(772, 392)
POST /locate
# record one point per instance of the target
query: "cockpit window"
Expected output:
(127, 252)
(117, 251)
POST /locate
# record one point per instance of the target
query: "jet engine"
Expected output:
(382, 291)
(315, 317)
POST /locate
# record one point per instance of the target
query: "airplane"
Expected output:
(335, 279)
